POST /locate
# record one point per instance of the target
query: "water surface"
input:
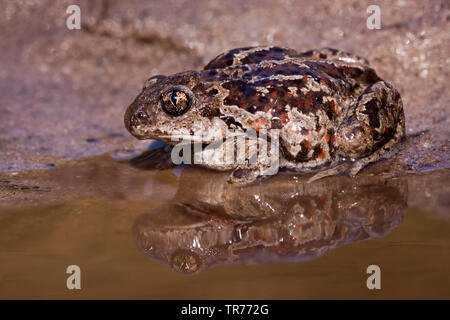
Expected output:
(185, 233)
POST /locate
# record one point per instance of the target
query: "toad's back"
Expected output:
(275, 80)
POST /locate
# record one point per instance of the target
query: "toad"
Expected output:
(333, 113)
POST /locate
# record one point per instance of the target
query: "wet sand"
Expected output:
(65, 198)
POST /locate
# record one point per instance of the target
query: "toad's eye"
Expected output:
(176, 102)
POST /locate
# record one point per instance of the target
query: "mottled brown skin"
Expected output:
(334, 113)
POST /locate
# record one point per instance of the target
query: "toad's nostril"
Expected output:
(141, 115)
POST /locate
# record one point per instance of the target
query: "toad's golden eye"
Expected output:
(176, 102)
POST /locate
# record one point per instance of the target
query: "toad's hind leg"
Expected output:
(374, 127)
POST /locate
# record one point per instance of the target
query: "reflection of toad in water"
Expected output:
(209, 222)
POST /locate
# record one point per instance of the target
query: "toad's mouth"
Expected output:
(180, 138)
(186, 138)
(173, 139)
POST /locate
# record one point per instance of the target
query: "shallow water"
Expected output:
(186, 233)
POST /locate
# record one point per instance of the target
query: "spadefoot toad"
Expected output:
(332, 111)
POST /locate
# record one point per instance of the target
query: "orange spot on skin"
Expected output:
(335, 138)
(250, 121)
(256, 127)
(274, 93)
(308, 103)
(260, 121)
(322, 154)
(333, 105)
(327, 137)
(307, 143)
(289, 94)
(307, 133)
(267, 108)
(299, 103)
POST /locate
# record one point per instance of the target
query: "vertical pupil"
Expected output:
(175, 102)
(174, 98)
